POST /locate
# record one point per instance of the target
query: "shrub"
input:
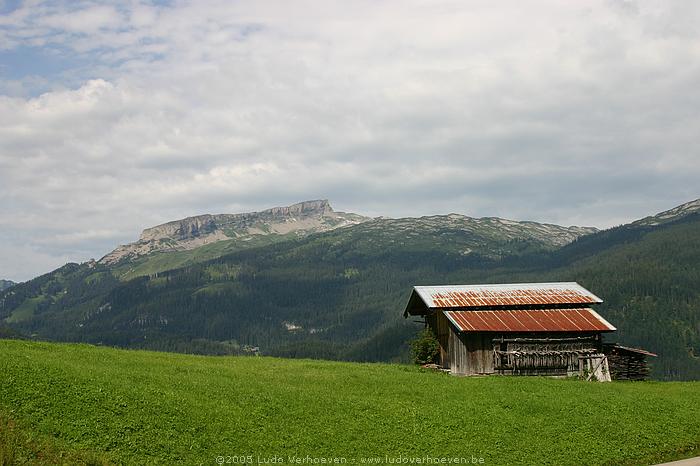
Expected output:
(425, 347)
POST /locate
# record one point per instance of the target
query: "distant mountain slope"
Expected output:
(340, 294)
(489, 236)
(671, 215)
(198, 239)
(648, 277)
(4, 284)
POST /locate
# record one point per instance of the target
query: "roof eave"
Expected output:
(415, 301)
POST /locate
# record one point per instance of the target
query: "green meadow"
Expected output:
(80, 404)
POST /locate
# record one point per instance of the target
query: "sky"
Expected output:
(117, 116)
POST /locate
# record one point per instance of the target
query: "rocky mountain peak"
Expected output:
(192, 232)
(317, 207)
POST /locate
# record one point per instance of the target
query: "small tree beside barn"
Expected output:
(516, 329)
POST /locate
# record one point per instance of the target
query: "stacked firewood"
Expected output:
(628, 367)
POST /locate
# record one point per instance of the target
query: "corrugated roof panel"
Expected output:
(539, 320)
(470, 296)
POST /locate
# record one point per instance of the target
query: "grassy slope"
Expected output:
(141, 407)
(26, 310)
(162, 261)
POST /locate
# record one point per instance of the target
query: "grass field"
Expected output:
(68, 403)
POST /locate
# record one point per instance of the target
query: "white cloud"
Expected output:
(568, 112)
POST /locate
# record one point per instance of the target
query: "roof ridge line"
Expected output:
(485, 285)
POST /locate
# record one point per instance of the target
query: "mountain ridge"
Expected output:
(670, 215)
(203, 237)
(4, 284)
(199, 230)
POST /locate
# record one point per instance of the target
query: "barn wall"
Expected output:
(472, 353)
(543, 353)
(443, 334)
(440, 327)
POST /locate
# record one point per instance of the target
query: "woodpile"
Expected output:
(628, 367)
(627, 363)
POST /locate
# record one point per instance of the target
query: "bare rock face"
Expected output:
(191, 227)
(321, 207)
(192, 232)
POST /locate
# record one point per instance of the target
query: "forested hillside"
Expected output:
(340, 294)
(649, 279)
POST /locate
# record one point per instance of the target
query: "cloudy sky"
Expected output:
(118, 116)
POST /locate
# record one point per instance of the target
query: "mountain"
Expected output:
(6, 284)
(671, 215)
(339, 294)
(193, 232)
(203, 237)
(489, 236)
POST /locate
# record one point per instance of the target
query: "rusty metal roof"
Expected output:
(540, 320)
(517, 294)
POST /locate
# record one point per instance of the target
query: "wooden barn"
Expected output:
(516, 329)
